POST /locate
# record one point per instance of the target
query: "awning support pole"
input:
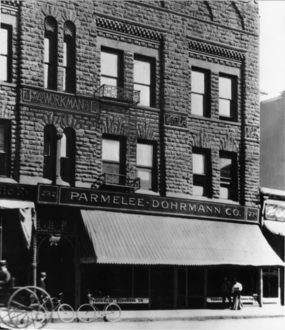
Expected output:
(175, 287)
(77, 270)
(133, 280)
(279, 285)
(205, 287)
(260, 287)
(149, 287)
(34, 248)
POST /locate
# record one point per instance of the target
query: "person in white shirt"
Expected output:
(236, 292)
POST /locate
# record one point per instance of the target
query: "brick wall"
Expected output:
(216, 33)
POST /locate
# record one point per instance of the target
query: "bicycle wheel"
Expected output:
(66, 313)
(113, 312)
(86, 313)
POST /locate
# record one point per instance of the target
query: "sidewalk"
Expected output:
(203, 314)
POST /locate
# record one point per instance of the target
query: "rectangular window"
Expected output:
(228, 168)
(5, 147)
(227, 97)
(68, 66)
(144, 79)
(199, 92)
(113, 160)
(111, 67)
(6, 53)
(145, 165)
(201, 166)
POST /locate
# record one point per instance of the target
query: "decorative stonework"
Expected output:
(69, 29)
(53, 11)
(131, 29)
(50, 24)
(145, 131)
(202, 140)
(114, 125)
(10, 3)
(238, 13)
(252, 132)
(177, 120)
(216, 50)
(229, 143)
(59, 121)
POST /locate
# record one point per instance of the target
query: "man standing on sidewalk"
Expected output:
(236, 291)
(226, 291)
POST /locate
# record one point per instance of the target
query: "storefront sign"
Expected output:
(120, 300)
(244, 300)
(275, 211)
(56, 100)
(19, 192)
(143, 203)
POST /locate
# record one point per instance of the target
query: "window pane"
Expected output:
(2, 138)
(63, 146)
(197, 104)
(224, 193)
(144, 154)
(64, 79)
(198, 164)
(198, 190)
(46, 51)
(46, 76)
(111, 169)
(198, 82)
(224, 108)
(64, 54)
(4, 42)
(3, 68)
(142, 72)
(145, 176)
(225, 88)
(109, 81)
(226, 167)
(144, 94)
(109, 64)
(111, 150)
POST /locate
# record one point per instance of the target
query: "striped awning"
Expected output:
(122, 238)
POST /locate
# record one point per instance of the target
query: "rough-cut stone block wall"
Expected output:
(215, 32)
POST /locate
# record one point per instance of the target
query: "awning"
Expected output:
(275, 227)
(121, 238)
(16, 204)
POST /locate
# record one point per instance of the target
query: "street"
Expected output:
(272, 323)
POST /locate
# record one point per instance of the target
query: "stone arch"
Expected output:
(239, 20)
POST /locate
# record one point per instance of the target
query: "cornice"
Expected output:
(217, 50)
(128, 27)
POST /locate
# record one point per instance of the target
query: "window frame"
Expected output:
(120, 64)
(153, 169)
(69, 82)
(233, 101)
(9, 56)
(207, 91)
(230, 183)
(53, 56)
(152, 86)
(204, 180)
(122, 152)
(7, 148)
(50, 145)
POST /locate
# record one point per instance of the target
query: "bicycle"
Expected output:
(64, 311)
(88, 312)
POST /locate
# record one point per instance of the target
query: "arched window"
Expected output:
(67, 156)
(69, 79)
(50, 54)
(49, 171)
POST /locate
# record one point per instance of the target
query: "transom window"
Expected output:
(227, 97)
(145, 165)
(199, 92)
(201, 172)
(5, 53)
(228, 176)
(144, 79)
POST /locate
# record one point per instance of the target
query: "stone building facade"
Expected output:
(69, 95)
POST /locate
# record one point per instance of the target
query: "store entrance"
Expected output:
(56, 259)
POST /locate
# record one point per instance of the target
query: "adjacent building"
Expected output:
(130, 149)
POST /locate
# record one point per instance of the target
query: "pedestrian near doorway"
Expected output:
(236, 291)
(5, 276)
(226, 292)
(42, 283)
